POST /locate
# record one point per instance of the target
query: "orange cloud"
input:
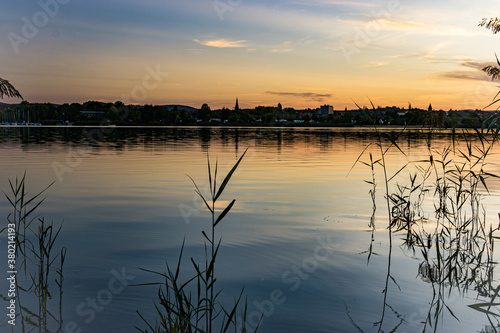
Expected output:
(310, 95)
(222, 43)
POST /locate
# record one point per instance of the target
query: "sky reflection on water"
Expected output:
(128, 203)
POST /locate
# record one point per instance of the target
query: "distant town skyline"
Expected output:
(323, 108)
(297, 53)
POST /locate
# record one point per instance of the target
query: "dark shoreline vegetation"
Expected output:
(119, 114)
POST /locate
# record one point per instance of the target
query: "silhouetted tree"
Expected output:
(435, 120)
(134, 113)
(112, 114)
(224, 113)
(7, 89)
(70, 112)
(233, 118)
(205, 113)
(493, 71)
(415, 116)
(95, 106)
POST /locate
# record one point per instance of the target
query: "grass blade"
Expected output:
(226, 210)
(228, 177)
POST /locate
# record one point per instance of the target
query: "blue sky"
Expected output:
(299, 53)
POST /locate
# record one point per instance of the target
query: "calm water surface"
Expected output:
(299, 228)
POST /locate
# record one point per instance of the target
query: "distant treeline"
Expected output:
(99, 113)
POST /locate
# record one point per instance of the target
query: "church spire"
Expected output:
(236, 107)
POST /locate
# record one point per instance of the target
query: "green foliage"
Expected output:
(178, 117)
(112, 114)
(135, 114)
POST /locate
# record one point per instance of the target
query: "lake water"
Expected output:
(298, 238)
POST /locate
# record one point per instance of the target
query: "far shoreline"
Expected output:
(360, 127)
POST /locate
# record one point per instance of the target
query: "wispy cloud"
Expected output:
(334, 3)
(467, 62)
(430, 56)
(375, 21)
(310, 95)
(461, 75)
(398, 24)
(195, 51)
(222, 43)
(415, 26)
(372, 64)
(283, 48)
(476, 74)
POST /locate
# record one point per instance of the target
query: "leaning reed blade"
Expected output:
(192, 304)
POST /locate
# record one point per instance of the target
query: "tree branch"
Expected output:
(493, 24)
(7, 89)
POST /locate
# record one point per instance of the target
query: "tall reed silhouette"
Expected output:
(181, 309)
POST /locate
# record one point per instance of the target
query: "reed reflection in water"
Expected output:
(127, 203)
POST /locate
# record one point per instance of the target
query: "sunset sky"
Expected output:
(300, 53)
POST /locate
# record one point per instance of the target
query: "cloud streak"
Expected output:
(461, 75)
(373, 64)
(476, 74)
(283, 48)
(335, 3)
(476, 65)
(310, 95)
(222, 43)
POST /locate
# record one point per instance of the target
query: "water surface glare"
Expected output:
(299, 228)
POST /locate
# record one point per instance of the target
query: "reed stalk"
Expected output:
(182, 310)
(458, 253)
(35, 245)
